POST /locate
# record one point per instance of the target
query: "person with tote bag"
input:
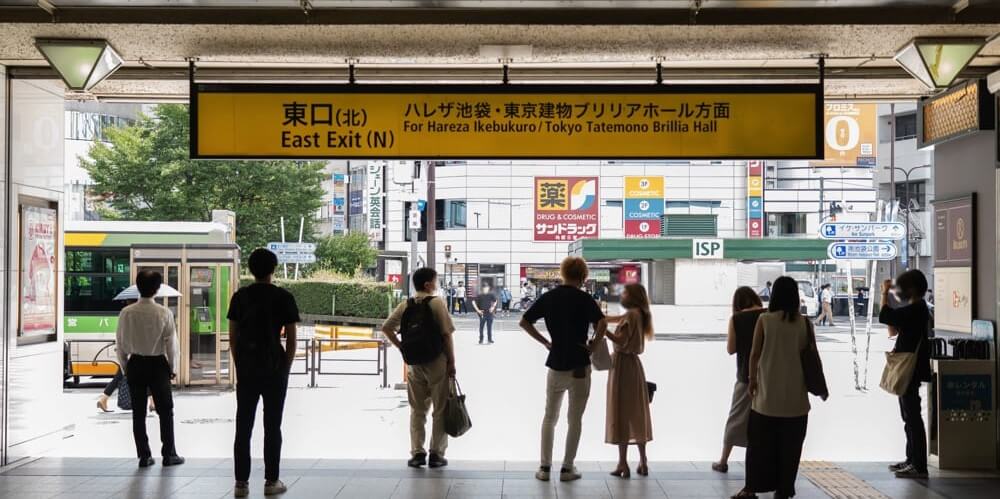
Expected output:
(779, 385)
(908, 365)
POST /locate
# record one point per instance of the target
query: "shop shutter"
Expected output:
(683, 225)
(662, 282)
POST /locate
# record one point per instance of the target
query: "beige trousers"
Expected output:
(558, 384)
(427, 385)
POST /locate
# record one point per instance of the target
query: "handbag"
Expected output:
(898, 371)
(812, 365)
(600, 356)
(456, 415)
(124, 395)
(651, 390)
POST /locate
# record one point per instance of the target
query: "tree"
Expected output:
(144, 173)
(345, 254)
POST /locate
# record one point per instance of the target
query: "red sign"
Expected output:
(566, 208)
(629, 274)
(394, 278)
(642, 228)
(756, 228)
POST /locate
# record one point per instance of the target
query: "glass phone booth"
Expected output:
(206, 275)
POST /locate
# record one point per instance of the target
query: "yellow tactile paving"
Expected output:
(838, 483)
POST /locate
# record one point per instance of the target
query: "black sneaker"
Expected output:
(911, 472)
(437, 461)
(173, 461)
(899, 466)
(146, 462)
(417, 460)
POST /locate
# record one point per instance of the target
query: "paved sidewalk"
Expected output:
(97, 478)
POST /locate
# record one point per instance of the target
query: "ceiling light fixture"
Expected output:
(81, 63)
(936, 62)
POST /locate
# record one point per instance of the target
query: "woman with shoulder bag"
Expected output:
(747, 307)
(910, 324)
(779, 407)
(628, 419)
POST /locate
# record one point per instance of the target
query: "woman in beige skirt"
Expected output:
(628, 420)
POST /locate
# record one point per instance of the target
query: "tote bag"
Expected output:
(812, 366)
(456, 415)
(600, 356)
(898, 372)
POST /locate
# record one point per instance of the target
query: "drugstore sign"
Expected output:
(506, 121)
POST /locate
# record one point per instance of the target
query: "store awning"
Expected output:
(775, 249)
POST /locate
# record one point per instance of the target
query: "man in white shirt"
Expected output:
(147, 350)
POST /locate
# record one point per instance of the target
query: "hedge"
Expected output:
(354, 298)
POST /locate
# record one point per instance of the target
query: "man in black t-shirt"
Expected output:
(486, 306)
(569, 314)
(257, 315)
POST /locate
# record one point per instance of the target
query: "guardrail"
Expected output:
(315, 357)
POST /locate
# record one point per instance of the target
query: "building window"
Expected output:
(682, 225)
(92, 126)
(906, 126)
(912, 195)
(790, 224)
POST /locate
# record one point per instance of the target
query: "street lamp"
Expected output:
(906, 196)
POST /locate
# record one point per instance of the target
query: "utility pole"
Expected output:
(892, 170)
(431, 216)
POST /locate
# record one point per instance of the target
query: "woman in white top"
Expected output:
(779, 409)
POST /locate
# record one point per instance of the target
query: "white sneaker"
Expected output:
(543, 473)
(569, 474)
(274, 488)
(242, 489)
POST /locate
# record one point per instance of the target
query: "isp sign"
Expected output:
(707, 249)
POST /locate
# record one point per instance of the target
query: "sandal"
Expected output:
(642, 470)
(744, 494)
(622, 473)
(720, 467)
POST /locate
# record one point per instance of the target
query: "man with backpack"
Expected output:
(257, 315)
(424, 337)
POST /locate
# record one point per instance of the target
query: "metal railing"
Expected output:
(315, 358)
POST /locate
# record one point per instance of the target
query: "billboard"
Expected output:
(755, 199)
(850, 134)
(642, 206)
(566, 208)
(38, 270)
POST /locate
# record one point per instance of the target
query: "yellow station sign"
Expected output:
(509, 121)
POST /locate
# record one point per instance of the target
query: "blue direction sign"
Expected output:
(279, 248)
(881, 231)
(303, 258)
(862, 251)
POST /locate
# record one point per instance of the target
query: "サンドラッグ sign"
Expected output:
(506, 121)
(566, 208)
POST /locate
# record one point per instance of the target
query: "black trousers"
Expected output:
(250, 389)
(151, 375)
(913, 425)
(113, 384)
(461, 306)
(773, 452)
(486, 320)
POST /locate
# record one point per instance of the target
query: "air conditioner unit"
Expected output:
(993, 82)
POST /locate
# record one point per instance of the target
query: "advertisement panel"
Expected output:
(339, 201)
(566, 208)
(755, 199)
(375, 194)
(643, 206)
(506, 121)
(953, 299)
(38, 270)
(954, 225)
(850, 134)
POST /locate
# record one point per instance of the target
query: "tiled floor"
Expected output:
(373, 479)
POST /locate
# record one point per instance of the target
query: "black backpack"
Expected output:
(419, 333)
(258, 348)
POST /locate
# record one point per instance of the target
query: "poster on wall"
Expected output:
(566, 208)
(38, 270)
(953, 299)
(642, 206)
(849, 135)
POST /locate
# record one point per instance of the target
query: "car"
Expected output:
(807, 296)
